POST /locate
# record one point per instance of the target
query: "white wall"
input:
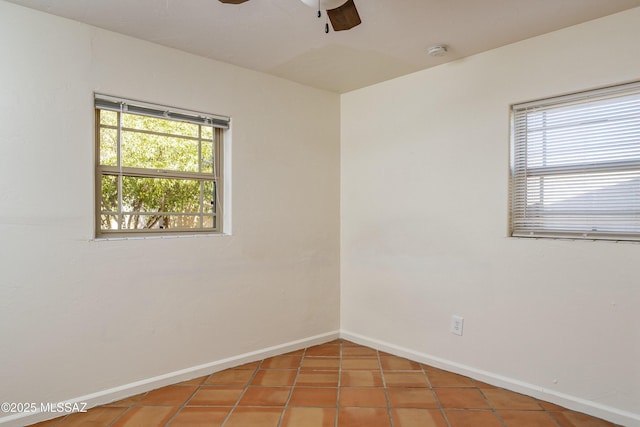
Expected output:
(78, 316)
(424, 205)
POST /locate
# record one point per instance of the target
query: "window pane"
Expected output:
(109, 191)
(161, 221)
(108, 222)
(153, 124)
(207, 133)
(207, 156)
(109, 118)
(160, 195)
(602, 131)
(209, 198)
(209, 221)
(140, 150)
(576, 165)
(108, 147)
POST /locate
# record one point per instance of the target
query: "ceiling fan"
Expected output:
(342, 13)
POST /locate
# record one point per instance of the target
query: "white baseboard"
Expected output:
(611, 414)
(614, 415)
(131, 389)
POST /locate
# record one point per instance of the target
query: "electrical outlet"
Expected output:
(456, 325)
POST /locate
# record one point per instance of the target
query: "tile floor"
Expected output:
(337, 384)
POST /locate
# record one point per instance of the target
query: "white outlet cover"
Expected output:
(457, 324)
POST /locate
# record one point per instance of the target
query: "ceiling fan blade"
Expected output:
(344, 17)
(232, 1)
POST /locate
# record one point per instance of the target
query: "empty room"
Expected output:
(333, 213)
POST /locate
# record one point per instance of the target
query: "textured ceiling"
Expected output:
(286, 39)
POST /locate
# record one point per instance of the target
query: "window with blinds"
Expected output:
(576, 165)
(158, 169)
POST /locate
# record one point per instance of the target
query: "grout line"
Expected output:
(56, 421)
(553, 418)
(378, 356)
(295, 380)
(549, 413)
(493, 410)
(435, 395)
(386, 391)
(335, 419)
(117, 418)
(181, 407)
(246, 387)
(126, 410)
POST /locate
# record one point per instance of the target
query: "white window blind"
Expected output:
(576, 165)
(111, 103)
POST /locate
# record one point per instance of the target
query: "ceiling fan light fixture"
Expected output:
(324, 4)
(342, 14)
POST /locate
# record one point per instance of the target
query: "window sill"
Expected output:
(158, 237)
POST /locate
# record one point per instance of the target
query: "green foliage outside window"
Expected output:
(165, 178)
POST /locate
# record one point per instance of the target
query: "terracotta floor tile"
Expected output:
(361, 379)
(359, 352)
(145, 416)
(281, 362)
(405, 379)
(230, 376)
(323, 350)
(411, 397)
(125, 403)
(272, 377)
(461, 398)
(360, 363)
(320, 364)
(309, 417)
(505, 399)
(463, 418)
(173, 395)
(254, 417)
(317, 379)
(577, 419)
(48, 423)
(527, 419)
(294, 353)
(418, 418)
(341, 380)
(99, 416)
(265, 396)
(216, 396)
(440, 378)
(365, 397)
(480, 384)
(548, 406)
(252, 366)
(385, 354)
(365, 417)
(195, 381)
(314, 396)
(393, 363)
(200, 417)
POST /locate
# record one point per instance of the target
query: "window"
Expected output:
(158, 169)
(576, 166)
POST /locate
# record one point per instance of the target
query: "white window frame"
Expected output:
(575, 165)
(122, 106)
